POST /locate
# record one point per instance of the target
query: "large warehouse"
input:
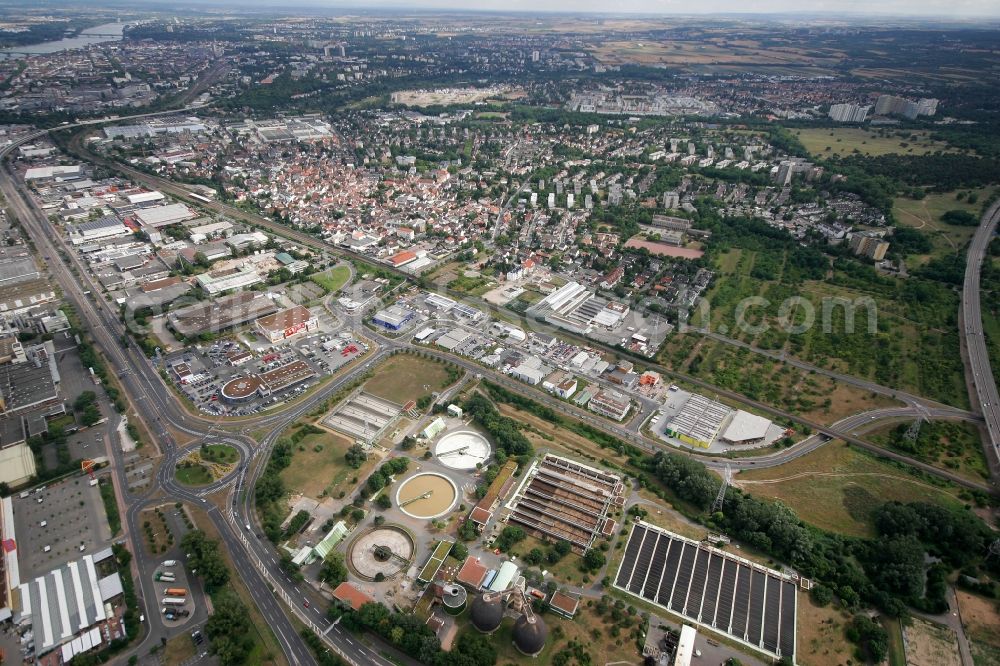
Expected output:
(393, 318)
(563, 499)
(221, 314)
(750, 603)
(163, 216)
(287, 323)
(699, 421)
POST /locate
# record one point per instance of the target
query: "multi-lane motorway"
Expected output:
(983, 387)
(255, 558)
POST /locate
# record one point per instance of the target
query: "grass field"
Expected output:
(179, 649)
(220, 453)
(318, 466)
(925, 215)
(954, 446)
(824, 142)
(836, 488)
(408, 377)
(332, 280)
(897, 650)
(193, 475)
(708, 51)
(820, 638)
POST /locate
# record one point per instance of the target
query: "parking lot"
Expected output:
(201, 373)
(59, 523)
(174, 615)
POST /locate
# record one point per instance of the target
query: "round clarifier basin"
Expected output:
(462, 449)
(426, 495)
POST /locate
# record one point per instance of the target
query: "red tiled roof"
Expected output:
(349, 594)
(472, 573)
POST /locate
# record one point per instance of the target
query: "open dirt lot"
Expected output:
(981, 617)
(930, 644)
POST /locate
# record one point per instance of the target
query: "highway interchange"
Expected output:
(228, 503)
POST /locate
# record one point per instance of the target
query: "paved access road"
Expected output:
(982, 386)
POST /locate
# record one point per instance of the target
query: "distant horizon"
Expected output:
(637, 8)
(922, 10)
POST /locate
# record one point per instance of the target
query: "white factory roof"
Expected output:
(746, 426)
(145, 197)
(164, 215)
(50, 171)
(65, 601)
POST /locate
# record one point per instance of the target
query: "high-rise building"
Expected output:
(535, 56)
(849, 113)
(867, 245)
(890, 105)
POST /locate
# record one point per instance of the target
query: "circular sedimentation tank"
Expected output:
(385, 550)
(426, 495)
(462, 449)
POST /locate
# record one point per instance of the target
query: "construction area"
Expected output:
(563, 499)
(363, 416)
(750, 603)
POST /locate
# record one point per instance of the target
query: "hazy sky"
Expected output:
(938, 8)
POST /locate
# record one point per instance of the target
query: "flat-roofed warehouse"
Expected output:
(563, 499)
(163, 216)
(750, 603)
(220, 315)
(699, 421)
(286, 323)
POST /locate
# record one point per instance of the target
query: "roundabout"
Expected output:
(206, 464)
(426, 495)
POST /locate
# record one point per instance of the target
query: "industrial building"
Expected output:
(220, 315)
(287, 323)
(746, 428)
(103, 228)
(749, 603)
(216, 282)
(393, 318)
(610, 404)
(576, 308)
(163, 216)
(699, 421)
(562, 499)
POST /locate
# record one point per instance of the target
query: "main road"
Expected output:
(982, 386)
